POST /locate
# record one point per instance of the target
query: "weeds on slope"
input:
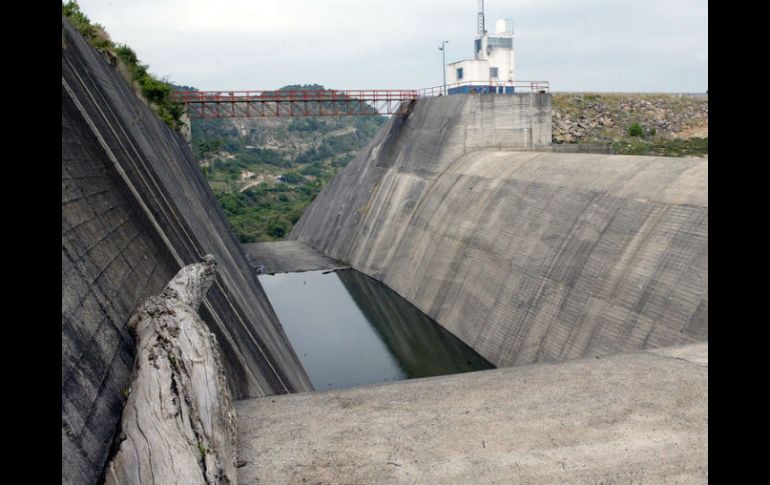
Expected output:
(156, 92)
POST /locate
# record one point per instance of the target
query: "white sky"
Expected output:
(577, 45)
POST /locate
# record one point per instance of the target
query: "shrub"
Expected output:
(635, 130)
(82, 24)
(314, 169)
(292, 177)
(278, 228)
(206, 147)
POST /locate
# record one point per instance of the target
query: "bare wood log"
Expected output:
(178, 424)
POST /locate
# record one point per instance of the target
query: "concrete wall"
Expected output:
(637, 418)
(526, 256)
(135, 208)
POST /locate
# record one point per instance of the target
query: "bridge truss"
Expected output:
(331, 102)
(300, 102)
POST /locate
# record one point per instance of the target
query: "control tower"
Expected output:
(491, 69)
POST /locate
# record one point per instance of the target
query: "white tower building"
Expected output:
(491, 69)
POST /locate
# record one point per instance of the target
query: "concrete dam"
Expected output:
(526, 256)
(135, 209)
(582, 277)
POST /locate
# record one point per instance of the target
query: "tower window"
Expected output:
(459, 73)
(504, 42)
(492, 72)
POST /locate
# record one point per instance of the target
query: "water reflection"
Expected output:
(349, 330)
(422, 347)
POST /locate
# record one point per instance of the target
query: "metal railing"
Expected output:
(331, 102)
(489, 87)
(294, 102)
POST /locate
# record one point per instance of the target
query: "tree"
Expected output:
(292, 177)
(635, 130)
(278, 228)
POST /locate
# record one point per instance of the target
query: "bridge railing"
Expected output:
(488, 87)
(294, 95)
(294, 102)
(331, 102)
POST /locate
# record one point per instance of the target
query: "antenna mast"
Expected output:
(480, 19)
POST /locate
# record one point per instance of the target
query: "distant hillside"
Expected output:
(266, 171)
(633, 124)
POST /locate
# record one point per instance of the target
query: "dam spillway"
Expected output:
(526, 256)
(557, 268)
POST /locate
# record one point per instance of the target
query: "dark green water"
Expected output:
(350, 330)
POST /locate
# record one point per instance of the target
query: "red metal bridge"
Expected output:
(318, 102)
(300, 102)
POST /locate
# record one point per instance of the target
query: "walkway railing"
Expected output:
(488, 87)
(330, 102)
(295, 102)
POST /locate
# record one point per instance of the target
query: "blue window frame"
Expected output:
(504, 42)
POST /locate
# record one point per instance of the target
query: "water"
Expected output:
(349, 330)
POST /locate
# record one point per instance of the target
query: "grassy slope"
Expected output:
(154, 91)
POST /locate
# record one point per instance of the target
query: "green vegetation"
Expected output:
(292, 177)
(267, 211)
(293, 87)
(664, 147)
(635, 130)
(95, 33)
(157, 92)
(206, 147)
(266, 171)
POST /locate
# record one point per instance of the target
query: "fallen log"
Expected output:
(178, 424)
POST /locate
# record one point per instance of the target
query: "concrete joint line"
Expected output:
(137, 161)
(120, 170)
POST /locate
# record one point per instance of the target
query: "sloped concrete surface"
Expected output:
(526, 256)
(286, 257)
(135, 209)
(630, 418)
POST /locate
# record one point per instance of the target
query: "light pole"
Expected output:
(443, 62)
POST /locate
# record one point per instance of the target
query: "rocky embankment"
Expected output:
(607, 118)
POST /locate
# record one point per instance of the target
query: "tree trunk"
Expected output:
(178, 425)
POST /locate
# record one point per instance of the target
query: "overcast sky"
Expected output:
(577, 45)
